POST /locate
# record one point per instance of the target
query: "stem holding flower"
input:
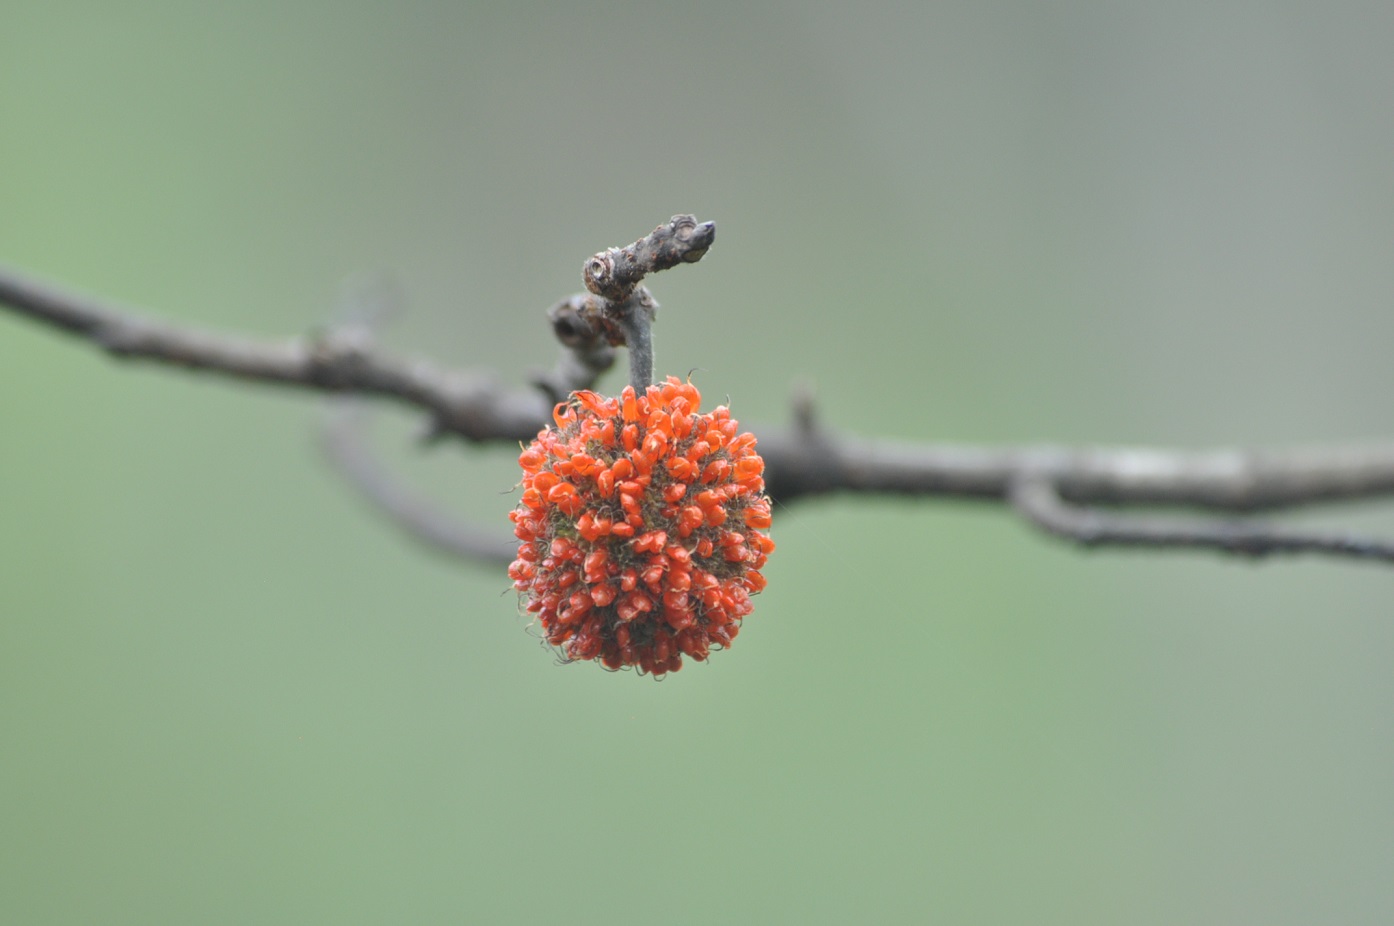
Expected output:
(627, 308)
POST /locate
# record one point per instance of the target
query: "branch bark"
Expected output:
(471, 406)
(626, 308)
(1038, 500)
(1061, 490)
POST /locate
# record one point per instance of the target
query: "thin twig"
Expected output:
(586, 352)
(1036, 498)
(614, 276)
(613, 273)
(362, 313)
(345, 445)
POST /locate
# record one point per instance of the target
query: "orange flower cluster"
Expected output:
(642, 528)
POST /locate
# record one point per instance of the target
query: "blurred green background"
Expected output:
(229, 694)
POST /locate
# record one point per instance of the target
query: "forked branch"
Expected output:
(1077, 494)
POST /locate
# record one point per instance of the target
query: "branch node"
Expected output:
(586, 336)
(338, 356)
(613, 273)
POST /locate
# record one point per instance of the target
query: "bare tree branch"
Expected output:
(1058, 489)
(586, 352)
(471, 406)
(627, 308)
(1036, 498)
(800, 462)
(615, 272)
(346, 447)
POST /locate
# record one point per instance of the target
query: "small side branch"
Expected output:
(346, 447)
(613, 273)
(1036, 499)
(586, 352)
(628, 309)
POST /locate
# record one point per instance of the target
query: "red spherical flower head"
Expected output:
(642, 527)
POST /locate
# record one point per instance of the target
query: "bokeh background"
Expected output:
(229, 694)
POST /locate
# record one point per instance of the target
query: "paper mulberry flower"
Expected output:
(642, 528)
